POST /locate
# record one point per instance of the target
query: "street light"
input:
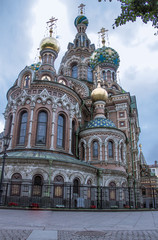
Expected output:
(6, 140)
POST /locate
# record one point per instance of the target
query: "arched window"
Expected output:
(123, 191)
(76, 186)
(41, 128)
(82, 40)
(112, 191)
(143, 191)
(59, 186)
(113, 76)
(108, 75)
(121, 152)
(16, 184)
(82, 151)
(60, 131)
(110, 149)
(37, 186)
(76, 42)
(26, 81)
(73, 138)
(104, 75)
(22, 128)
(74, 73)
(89, 74)
(89, 183)
(45, 58)
(95, 149)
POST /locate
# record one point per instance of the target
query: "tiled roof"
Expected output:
(100, 122)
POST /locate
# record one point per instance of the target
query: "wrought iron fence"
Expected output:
(72, 196)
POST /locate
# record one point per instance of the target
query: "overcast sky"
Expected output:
(23, 25)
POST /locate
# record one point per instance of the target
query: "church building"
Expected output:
(73, 133)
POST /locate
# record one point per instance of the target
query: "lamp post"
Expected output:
(6, 140)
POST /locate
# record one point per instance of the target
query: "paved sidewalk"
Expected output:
(51, 225)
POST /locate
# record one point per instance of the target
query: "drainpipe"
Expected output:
(77, 155)
(133, 165)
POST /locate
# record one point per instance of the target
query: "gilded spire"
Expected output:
(82, 8)
(102, 34)
(98, 77)
(51, 22)
(99, 93)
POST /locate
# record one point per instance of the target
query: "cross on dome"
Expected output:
(52, 22)
(82, 7)
(102, 34)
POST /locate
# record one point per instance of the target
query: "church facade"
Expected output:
(74, 131)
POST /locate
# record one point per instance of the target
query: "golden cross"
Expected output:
(81, 8)
(51, 23)
(102, 34)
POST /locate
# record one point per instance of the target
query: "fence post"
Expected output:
(129, 194)
(101, 197)
(153, 198)
(98, 197)
(70, 197)
(6, 192)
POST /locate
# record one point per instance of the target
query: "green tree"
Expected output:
(131, 9)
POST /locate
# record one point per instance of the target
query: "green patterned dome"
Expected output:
(105, 55)
(35, 66)
(81, 19)
(100, 122)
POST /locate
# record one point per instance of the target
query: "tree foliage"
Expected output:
(131, 9)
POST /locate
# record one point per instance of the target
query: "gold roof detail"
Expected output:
(99, 94)
(51, 43)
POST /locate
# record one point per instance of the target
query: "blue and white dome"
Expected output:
(81, 19)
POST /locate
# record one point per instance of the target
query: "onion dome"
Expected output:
(81, 19)
(99, 94)
(51, 43)
(100, 123)
(105, 55)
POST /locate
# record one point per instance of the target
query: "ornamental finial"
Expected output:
(82, 8)
(102, 34)
(51, 22)
(140, 145)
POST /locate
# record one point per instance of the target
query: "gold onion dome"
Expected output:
(51, 43)
(99, 94)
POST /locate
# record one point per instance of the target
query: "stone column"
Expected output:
(70, 134)
(85, 152)
(116, 152)
(89, 148)
(12, 127)
(101, 157)
(30, 125)
(53, 123)
(106, 153)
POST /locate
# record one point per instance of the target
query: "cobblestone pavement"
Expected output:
(108, 235)
(8, 234)
(85, 235)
